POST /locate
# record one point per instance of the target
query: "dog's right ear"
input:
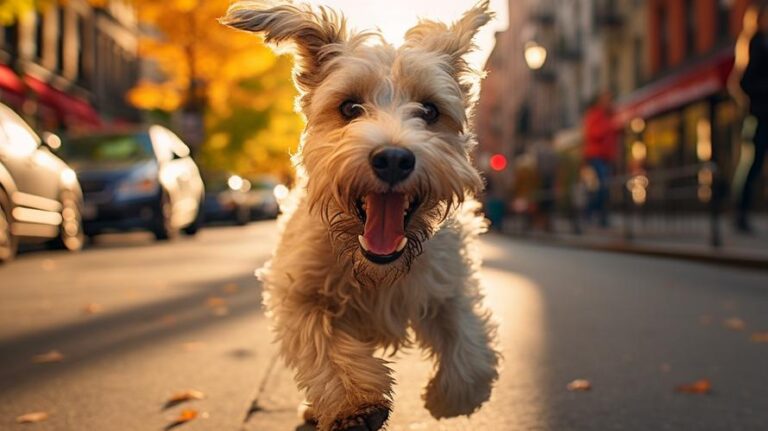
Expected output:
(314, 36)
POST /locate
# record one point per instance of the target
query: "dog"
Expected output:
(377, 246)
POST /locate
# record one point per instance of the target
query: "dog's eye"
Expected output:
(429, 112)
(351, 109)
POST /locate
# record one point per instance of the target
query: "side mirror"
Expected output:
(51, 140)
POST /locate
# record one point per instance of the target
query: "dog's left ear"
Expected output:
(315, 35)
(454, 41)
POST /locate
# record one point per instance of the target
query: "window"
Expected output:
(691, 19)
(83, 72)
(11, 38)
(661, 13)
(723, 14)
(60, 30)
(637, 53)
(39, 35)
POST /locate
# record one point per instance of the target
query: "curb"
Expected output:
(716, 258)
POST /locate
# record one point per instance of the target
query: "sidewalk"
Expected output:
(687, 237)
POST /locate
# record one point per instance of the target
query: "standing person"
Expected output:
(754, 83)
(600, 141)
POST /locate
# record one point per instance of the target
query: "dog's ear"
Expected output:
(314, 35)
(455, 40)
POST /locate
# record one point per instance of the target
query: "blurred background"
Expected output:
(144, 150)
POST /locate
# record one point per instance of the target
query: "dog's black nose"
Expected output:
(392, 164)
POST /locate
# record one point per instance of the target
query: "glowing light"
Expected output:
(639, 150)
(638, 188)
(637, 125)
(235, 182)
(535, 55)
(498, 162)
(281, 192)
(704, 140)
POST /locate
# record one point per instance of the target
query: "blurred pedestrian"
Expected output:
(754, 83)
(600, 142)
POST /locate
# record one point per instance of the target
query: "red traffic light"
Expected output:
(498, 162)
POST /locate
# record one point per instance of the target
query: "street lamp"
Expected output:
(535, 55)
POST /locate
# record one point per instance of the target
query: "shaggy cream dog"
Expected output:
(377, 247)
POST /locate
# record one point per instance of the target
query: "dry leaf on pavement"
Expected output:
(185, 416)
(735, 324)
(703, 386)
(31, 418)
(183, 396)
(231, 288)
(579, 385)
(48, 357)
(760, 337)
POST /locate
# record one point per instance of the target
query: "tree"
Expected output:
(244, 90)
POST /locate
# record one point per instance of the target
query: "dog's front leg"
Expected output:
(346, 386)
(460, 335)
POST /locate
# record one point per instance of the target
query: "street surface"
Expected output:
(128, 323)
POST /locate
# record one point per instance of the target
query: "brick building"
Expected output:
(68, 66)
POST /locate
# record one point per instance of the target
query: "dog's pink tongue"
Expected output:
(384, 222)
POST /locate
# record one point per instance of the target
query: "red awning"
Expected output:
(73, 111)
(695, 83)
(10, 81)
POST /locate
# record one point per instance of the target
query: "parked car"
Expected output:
(227, 199)
(233, 198)
(263, 198)
(141, 179)
(40, 198)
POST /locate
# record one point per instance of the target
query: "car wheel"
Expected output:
(71, 235)
(8, 242)
(194, 228)
(242, 216)
(164, 229)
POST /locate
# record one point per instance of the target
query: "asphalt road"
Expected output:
(134, 322)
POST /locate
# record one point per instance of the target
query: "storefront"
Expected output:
(678, 124)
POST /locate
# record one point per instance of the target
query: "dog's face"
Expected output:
(386, 146)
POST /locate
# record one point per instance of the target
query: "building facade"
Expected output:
(667, 62)
(69, 65)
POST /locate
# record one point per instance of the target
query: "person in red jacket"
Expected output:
(600, 146)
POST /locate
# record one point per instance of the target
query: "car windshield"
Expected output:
(108, 149)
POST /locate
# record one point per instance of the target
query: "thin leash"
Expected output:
(255, 408)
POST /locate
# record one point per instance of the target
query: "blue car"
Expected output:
(139, 180)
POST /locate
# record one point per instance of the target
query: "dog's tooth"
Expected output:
(363, 242)
(403, 243)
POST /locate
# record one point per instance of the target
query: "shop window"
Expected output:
(39, 36)
(723, 14)
(60, 34)
(11, 39)
(691, 27)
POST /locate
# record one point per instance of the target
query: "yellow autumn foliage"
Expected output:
(247, 91)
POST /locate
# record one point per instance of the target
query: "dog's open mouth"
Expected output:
(385, 216)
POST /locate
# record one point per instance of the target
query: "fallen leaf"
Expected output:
(735, 324)
(48, 357)
(760, 337)
(231, 288)
(183, 396)
(93, 308)
(185, 416)
(215, 302)
(703, 386)
(579, 385)
(33, 417)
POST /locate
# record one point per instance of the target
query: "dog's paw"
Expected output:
(369, 418)
(448, 397)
